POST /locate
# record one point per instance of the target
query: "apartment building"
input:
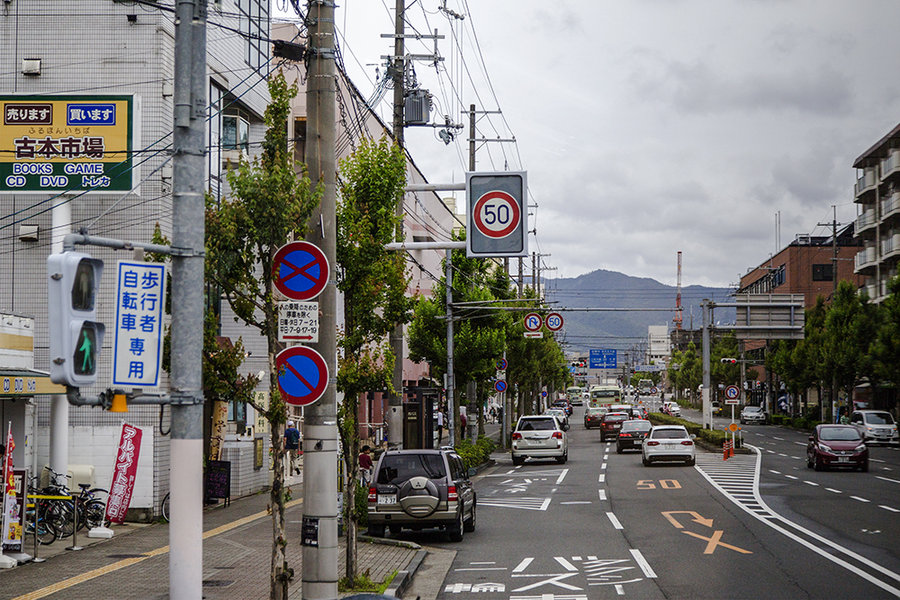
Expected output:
(877, 192)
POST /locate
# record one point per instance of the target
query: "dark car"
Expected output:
(565, 405)
(837, 446)
(632, 434)
(419, 489)
(611, 424)
(593, 415)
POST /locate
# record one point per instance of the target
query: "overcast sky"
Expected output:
(652, 126)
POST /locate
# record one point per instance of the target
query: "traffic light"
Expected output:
(730, 361)
(75, 335)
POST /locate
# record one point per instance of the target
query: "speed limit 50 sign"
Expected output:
(497, 214)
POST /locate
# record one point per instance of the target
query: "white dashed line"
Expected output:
(800, 443)
(775, 437)
(614, 521)
(603, 466)
(791, 477)
(561, 476)
(811, 483)
(643, 564)
(834, 490)
(774, 471)
(890, 508)
(860, 499)
(886, 479)
(602, 494)
(602, 478)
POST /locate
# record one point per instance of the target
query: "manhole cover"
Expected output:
(126, 555)
(217, 583)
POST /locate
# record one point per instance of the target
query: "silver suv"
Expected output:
(418, 489)
(876, 426)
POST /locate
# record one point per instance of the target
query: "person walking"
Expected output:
(291, 447)
(440, 426)
(365, 465)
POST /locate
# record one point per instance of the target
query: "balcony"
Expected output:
(865, 185)
(890, 246)
(890, 205)
(890, 166)
(865, 259)
(865, 221)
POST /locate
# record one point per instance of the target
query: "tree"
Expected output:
(373, 281)
(886, 348)
(271, 200)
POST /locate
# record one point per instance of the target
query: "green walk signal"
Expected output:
(85, 358)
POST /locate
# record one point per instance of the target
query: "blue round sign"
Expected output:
(302, 375)
(300, 270)
(500, 385)
(502, 364)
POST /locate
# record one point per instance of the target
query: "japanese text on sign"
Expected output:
(139, 314)
(298, 322)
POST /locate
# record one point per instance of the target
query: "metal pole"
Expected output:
(61, 219)
(451, 406)
(320, 436)
(189, 166)
(707, 406)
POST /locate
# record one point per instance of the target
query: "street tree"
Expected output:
(373, 282)
(270, 203)
(886, 347)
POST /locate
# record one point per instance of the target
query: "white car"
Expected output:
(668, 443)
(670, 407)
(753, 414)
(560, 415)
(876, 426)
(539, 436)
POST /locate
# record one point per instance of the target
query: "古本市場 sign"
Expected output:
(68, 143)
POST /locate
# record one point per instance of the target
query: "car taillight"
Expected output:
(652, 443)
(373, 495)
(557, 435)
(687, 443)
(517, 436)
(451, 493)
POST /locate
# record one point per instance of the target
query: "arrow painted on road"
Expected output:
(697, 518)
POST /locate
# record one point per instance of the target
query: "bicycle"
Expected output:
(37, 517)
(164, 508)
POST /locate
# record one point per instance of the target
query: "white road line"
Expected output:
(577, 502)
(890, 508)
(602, 494)
(620, 589)
(791, 477)
(481, 569)
(774, 471)
(603, 466)
(602, 478)
(782, 454)
(483, 562)
(643, 564)
(886, 479)
(878, 460)
(522, 565)
(860, 499)
(614, 521)
(800, 443)
(565, 564)
(561, 476)
(810, 482)
(775, 437)
(834, 490)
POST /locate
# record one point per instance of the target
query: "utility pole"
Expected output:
(320, 437)
(707, 406)
(189, 164)
(834, 284)
(395, 400)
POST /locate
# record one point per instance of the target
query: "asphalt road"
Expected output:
(604, 526)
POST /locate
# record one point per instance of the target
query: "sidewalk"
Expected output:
(237, 550)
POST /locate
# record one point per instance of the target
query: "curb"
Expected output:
(387, 542)
(401, 582)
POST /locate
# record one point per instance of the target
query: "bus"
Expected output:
(605, 395)
(574, 394)
(645, 386)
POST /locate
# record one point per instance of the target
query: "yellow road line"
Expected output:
(127, 562)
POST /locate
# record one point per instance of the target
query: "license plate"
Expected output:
(638, 442)
(843, 459)
(387, 499)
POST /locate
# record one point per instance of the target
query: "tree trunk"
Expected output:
(281, 574)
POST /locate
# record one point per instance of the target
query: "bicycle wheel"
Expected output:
(95, 514)
(164, 508)
(46, 534)
(61, 518)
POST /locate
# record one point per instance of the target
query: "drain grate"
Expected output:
(217, 583)
(125, 555)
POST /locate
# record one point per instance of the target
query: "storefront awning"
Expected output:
(27, 382)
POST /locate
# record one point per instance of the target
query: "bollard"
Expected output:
(74, 545)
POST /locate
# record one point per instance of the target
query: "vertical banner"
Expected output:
(11, 538)
(219, 426)
(124, 473)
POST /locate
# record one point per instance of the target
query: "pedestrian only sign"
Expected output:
(137, 348)
(497, 214)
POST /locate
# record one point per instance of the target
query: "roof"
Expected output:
(16, 383)
(873, 154)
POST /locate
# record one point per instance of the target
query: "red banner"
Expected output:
(124, 474)
(11, 519)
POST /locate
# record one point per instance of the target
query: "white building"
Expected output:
(658, 351)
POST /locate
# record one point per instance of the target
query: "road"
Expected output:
(604, 526)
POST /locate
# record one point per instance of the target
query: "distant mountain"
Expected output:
(584, 330)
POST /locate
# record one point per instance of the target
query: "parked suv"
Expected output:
(418, 489)
(876, 426)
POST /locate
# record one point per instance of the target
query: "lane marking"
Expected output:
(886, 479)
(834, 490)
(878, 460)
(791, 477)
(522, 565)
(481, 569)
(577, 502)
(602, 494)
(774, 471)
(860, 499)
(890, 508)
(615, 522)
(127, 562)
(800, 444)
(811, 483)
(565, 564)
(775, 437)
(603, 466)
(602, 478)
(643, 564)
(561, 476)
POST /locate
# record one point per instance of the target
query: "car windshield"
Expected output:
(753, 409)
(879, 418)
(668, 434)
(636, 426)
(596, 411)
(838, 434)
(397, 468)
(536, 425)
(616, 417)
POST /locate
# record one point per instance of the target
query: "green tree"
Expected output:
(886, 348)
(373, 281)
(269, 205)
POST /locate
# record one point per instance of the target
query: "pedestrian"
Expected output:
(440, 426)
(462, 425)
(365, 465)
(493, 413)
(291, 447)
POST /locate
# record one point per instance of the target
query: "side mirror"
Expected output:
(472, 472)
(693, 436)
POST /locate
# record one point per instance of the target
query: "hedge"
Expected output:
(711, 436)
(477, 453)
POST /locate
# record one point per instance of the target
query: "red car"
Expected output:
(611, 424)
(837, 446)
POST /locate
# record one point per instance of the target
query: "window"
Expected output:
(235, 132)
(778, 276)
(300, 139)
(255, 29)
(822, 272)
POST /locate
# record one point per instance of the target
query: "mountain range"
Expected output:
(623, 330)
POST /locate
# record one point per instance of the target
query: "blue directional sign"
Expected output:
(603, 359)
(302, 375)
(300, 270)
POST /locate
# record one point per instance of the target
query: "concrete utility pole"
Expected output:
(834, 285)
(320, 437)
(395, 400)
(707, 406)
(189, 164)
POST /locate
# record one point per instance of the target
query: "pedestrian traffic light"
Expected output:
(729, 361)
(75, 334)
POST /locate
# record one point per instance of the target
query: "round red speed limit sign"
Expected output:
(554, 321)
(496, 214)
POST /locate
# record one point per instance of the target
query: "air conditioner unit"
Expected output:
(417, 108)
